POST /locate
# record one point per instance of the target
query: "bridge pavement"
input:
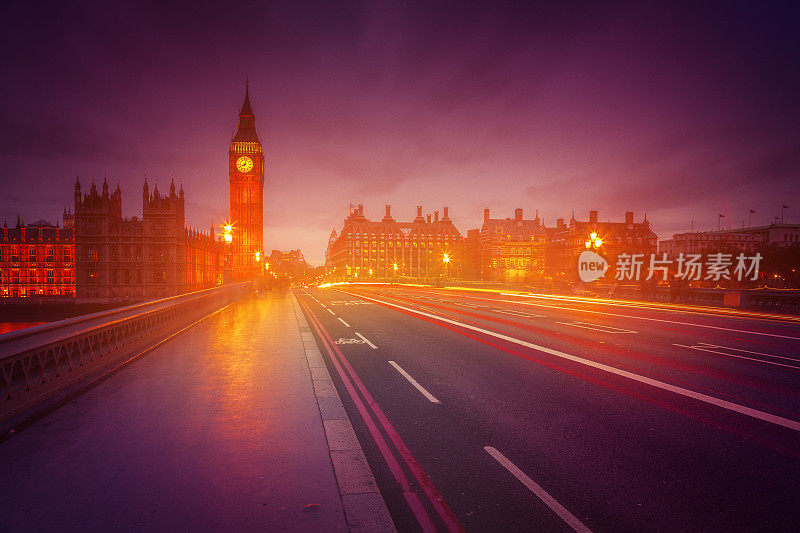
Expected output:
(218, 428)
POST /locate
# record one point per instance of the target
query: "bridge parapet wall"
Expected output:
(39, 363)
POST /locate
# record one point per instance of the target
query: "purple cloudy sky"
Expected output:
(677, 110)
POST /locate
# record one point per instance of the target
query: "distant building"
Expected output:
(775, 235)
(37, 259)
(386, 249)
(472, 255)
(132, 259)
(711, 242)
(512, 250)
(567, 242)
(291, 264)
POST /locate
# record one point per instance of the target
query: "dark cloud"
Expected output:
(679, 109)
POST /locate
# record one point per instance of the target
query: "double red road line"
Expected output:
(370, 411)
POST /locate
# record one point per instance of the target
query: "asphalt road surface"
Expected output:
(497, 412)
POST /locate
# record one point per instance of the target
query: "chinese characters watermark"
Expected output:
(690, 267)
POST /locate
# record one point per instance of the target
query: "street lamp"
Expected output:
(227, 236)
(593, 242)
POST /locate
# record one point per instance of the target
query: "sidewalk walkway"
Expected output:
(218, 428)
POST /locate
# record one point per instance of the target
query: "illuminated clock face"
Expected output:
(244, 164)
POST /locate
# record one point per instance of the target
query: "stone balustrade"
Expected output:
(39, 363)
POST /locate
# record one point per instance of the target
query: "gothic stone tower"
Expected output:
(246, 173)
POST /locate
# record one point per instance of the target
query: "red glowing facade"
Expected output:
(37, 260)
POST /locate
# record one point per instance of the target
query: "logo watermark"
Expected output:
(688, 267)
(591, 266)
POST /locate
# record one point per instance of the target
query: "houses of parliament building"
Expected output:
(101, 256)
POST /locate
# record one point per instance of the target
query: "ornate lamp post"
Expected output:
(593, 242)
(227, 235)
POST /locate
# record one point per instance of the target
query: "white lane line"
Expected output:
(331, 312)
(706, 349)
(431, 398)
(323, 305)
(343, 322)
(748, 351)
(724, 404)
(604, 313)
(534, 487)
(363, 338)
(597, 327)
(516, 313)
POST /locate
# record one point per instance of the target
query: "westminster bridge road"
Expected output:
(531, 412)
(374, 407)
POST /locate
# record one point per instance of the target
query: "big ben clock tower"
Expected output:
(246, 174)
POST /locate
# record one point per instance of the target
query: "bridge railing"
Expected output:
(38, 363)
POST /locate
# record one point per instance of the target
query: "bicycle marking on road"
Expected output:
(430, 397)
(342, 340)
(535, 488)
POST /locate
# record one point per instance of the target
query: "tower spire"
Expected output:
(246, 110)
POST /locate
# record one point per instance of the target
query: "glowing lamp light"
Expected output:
(258, 257)
(588, 244)
(395, 267)
(228, 237)
(228, 228)
(446, 258)
(593, 236)
(598, 242)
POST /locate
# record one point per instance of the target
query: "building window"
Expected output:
(15, 254)
(92, 255)
(31, 254)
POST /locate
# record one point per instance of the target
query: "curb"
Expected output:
(364, 507)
